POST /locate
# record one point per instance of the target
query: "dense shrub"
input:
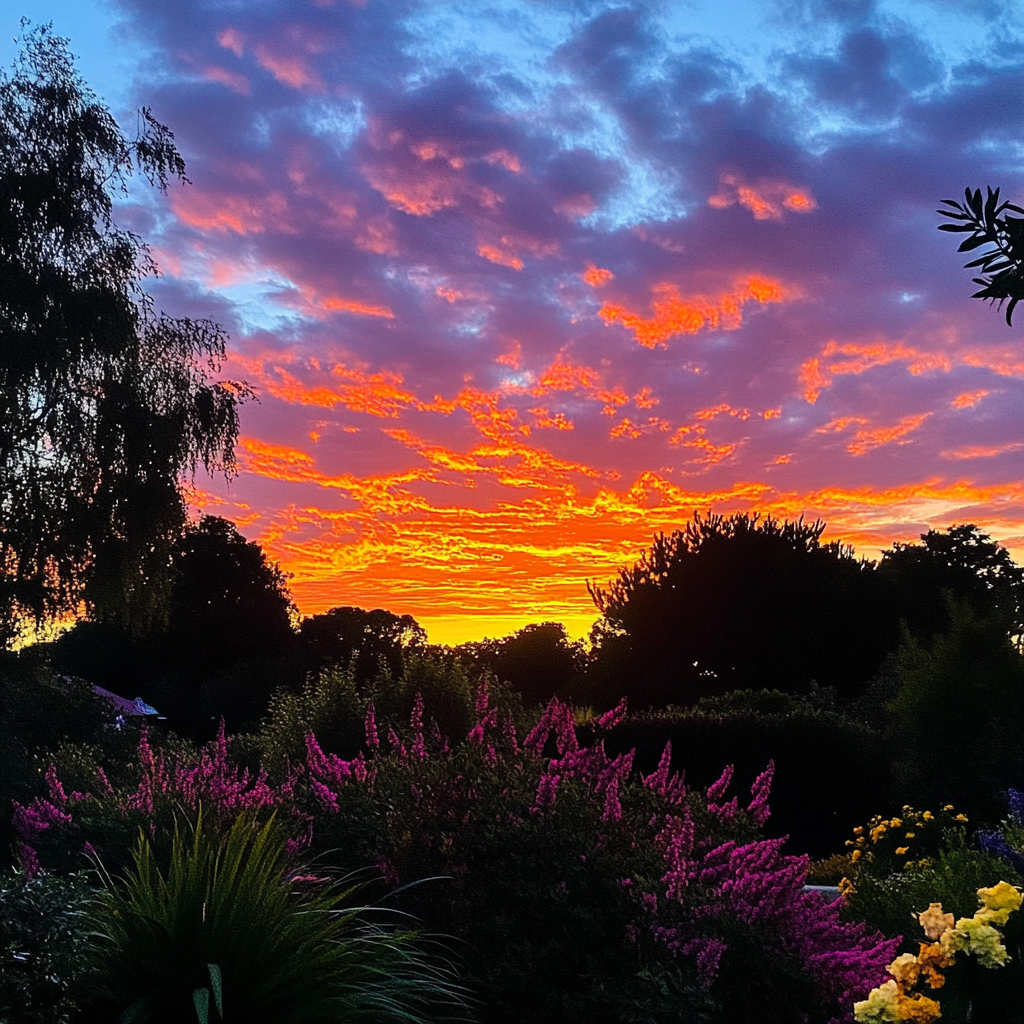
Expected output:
(578, 889)
(43, 947)
(829, 770)
(957, 724)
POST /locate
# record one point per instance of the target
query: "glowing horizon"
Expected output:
(521, 286)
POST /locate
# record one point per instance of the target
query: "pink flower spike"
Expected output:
(610, 719)
(758, 808)
(57, 794)
(717, 789)
(372, 740)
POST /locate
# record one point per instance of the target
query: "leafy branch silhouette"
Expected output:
(1003, 265)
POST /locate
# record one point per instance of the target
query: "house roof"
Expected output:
(124, 706)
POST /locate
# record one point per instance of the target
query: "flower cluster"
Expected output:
(903, 842)
(1007, 842)
(167, 783)
(978, 936)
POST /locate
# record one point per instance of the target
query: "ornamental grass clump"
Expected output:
(224, 933)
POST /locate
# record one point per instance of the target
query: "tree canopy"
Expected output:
(739, 602)
(104, 403)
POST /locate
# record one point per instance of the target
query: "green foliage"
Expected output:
(332, 705)
(829, 769)
(39, 711)
(887, 899)
(43, 947)
(956, 724)
(283, 950)
(329, 705)
(104, 403)
(1001, 265)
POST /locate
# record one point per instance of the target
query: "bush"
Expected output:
(225, 922)
(44, 947)
(583, 894)
(957, 723)
(829, 770)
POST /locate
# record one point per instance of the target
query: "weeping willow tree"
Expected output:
(106, 404)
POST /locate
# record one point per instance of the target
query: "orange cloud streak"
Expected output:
(675, 315)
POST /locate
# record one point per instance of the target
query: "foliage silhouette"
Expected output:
(104, 403)
(960, 563)
(1002, 266)
(955, 725)
(221, 650)
(538, 660)
(363, 638)
(737, 602)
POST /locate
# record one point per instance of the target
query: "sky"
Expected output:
(521, 283)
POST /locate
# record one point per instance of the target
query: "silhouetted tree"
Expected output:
(538, 660)
(104, 403)
(363, 639)
(961, 564)
(1002, 266)
(229, 624)
(737, 602)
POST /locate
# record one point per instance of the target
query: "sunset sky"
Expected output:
(521, 283)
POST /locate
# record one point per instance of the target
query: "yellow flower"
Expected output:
(982, 940)
(857, 831)
(905, 970)
(931, 960)
(901, 850)
(948, 807)
(960, 817)
(878, 832)
(855, 856)
(895, 823)
(928, 816)
(910, 835)
(880, 1007)
(998, 903)
(934, 921)
(919, 1009)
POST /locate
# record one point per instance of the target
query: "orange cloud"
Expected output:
(512, 357)
(980, 451)
(545, 419)
(333, 304)
(529, 559)
(874, 437)
(597, 276)
(503, 158)
(496, 255)
(766, 199)
(675, 315)
(234, 81)
(292, 71)
(231, 39)
(968, 399)
(816, 374)
(243, 216)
